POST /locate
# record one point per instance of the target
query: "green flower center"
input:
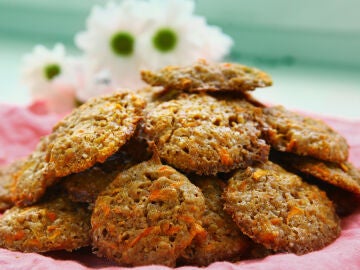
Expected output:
(122, 43)
(165, 40)
(51, 71)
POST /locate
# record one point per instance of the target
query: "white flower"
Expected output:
(216, 44)
(135, 34)
(176, 36)
(92, 84)
(111, 41)
(49, 76)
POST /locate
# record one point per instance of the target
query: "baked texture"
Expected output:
(34, 176)
(87, 185)
(344, 175)
(202, 134)
(204, 76)
(280, 211)
(6, 182)
(345, 202)
(93, 132)
(89, 135)
(53, 224)
(148, 215)
(222, 239)
(291, 132)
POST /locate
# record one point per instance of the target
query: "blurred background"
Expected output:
(311, 47)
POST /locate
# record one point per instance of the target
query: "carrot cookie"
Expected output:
(223, 240)
(290, 132)
(199, 133)
(34, 176)
(93, 132)
(6, 181)
(344, 175)
(148, 215)
(54, 224)
(277, 209)
(204, 76)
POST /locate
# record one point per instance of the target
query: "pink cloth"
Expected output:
(20, 130)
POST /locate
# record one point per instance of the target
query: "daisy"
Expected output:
(216, 45)
(92, 84)
(176, 36)
(111, 41)
(49, 76)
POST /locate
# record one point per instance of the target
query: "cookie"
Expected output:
(291, 132)
(345, 202)
(6, 182)
(199, 133)
(222, 239)
(204, 76)
(34, 176)
(344, 175)
(87, 185)
(148, 215)
(53, 224)
(93, 132)
(280, 211)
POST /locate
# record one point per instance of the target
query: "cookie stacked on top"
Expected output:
(189, 170)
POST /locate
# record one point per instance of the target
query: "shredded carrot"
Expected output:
(51, 228)
(225, 156)
(293, 212)
(159, 194)
(144, 233)
(177, 184)
(269, 236)
(165, 171)
(198, 231)
(187, 219)
(33, 242)
(19, 235)
(172, 230)
(51, 216)
(275, 221)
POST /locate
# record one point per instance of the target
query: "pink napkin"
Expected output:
(20, 130)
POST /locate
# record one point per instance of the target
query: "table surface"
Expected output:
(323, 90)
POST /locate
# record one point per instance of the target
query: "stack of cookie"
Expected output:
(189, 170)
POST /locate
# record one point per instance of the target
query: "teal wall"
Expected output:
(325, 32)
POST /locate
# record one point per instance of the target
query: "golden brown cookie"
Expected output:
(90, 134)
(56, 223)
(6, 182)
(34, 176)
(291, 132)
(199, 133)
(93, 132)
(222, 239)
(280, 211)
(345, 202)
(87, 185)
(148, 215)
(204, 76)
(344, 175)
